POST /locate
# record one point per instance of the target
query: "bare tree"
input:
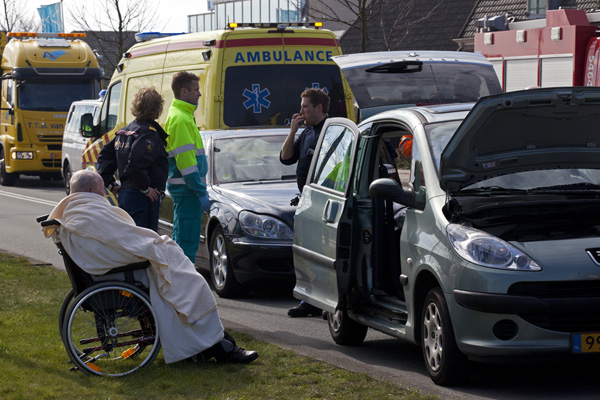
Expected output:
(355, 14)
(14, 17)
(111, 24)
(395, 29)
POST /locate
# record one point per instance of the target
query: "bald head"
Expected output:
(87, 181)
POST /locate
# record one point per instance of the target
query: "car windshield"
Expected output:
(261, 95)
(54, 95)
(439, 135)
(429, 83)
(246, 159)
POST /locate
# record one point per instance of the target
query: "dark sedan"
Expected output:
(247, 234)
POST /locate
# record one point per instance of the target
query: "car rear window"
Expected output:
(429, 83)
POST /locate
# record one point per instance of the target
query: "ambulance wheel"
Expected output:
(344, 330)
(6, 179)
(221, 269)
(445, 363)
(67, 173)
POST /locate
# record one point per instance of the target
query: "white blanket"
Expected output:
(100, 237)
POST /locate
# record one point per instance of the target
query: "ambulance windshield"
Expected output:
(268, 95)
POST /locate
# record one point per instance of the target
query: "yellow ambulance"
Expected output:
(251, 75)
(42, 74)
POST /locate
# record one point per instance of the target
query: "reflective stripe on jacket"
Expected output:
(187, 160)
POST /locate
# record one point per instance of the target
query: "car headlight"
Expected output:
(486, 250)
(264, 226)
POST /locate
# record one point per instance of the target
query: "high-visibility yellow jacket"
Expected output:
(187, 160)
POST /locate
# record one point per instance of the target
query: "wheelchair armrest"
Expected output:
(50, 222)
(130, 267)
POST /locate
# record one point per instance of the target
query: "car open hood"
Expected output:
(523, 131)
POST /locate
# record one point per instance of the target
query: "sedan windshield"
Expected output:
(250, 159)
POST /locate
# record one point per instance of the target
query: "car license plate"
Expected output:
(585, 343)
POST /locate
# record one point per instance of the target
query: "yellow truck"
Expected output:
(251, 75)
(42, 74)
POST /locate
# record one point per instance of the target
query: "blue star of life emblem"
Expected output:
(315, 85)
(256, 98)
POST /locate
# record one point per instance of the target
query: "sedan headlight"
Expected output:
(264, 226)
(486, 250)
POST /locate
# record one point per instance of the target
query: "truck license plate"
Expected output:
(585, 343)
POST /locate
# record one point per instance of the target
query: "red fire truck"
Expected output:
(564, 52)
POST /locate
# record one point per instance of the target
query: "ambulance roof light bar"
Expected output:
(145, 36)
(278, 25)
(46, 35)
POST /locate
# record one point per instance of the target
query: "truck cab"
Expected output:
(42, 74)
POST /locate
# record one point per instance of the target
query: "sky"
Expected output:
(173, 13)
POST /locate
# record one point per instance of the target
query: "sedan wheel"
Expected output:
(221, 271)
(445, 363)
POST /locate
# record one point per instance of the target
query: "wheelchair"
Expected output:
(106, 322)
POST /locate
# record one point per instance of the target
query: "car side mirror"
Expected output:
(87, 126)
(389, 189)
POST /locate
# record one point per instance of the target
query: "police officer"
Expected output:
(138, 153)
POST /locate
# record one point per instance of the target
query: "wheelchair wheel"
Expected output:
(63, 312)
(111, 329)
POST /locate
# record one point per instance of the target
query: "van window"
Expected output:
(53, 95)
(74, 121)
(110, 108)
(261, 95)
(431, 83)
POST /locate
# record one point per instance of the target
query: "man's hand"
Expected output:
(287, 150)
(153, 194)
(297, 120)
(204, 203)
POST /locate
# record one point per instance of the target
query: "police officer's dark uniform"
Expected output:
(138, 153)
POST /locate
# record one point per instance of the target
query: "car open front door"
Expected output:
(323, 222)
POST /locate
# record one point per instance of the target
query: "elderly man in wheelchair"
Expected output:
(130, 288)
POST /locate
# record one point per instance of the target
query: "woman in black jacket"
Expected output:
(138, 154)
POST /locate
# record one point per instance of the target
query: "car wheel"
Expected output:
(6, 179)
(344, 330)
(67, 173)
(221, 268)
(445, 363)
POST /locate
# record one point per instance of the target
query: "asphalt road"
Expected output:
(264, 316)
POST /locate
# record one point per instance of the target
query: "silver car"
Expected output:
(482, 243)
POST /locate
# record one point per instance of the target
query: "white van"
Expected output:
(75, 139)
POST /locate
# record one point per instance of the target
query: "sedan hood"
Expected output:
(523, 131)
(264, 198)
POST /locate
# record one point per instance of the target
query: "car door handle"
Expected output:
(331, 210)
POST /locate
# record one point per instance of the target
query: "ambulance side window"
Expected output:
(110, 109)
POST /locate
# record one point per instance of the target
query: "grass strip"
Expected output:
(34, 363)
